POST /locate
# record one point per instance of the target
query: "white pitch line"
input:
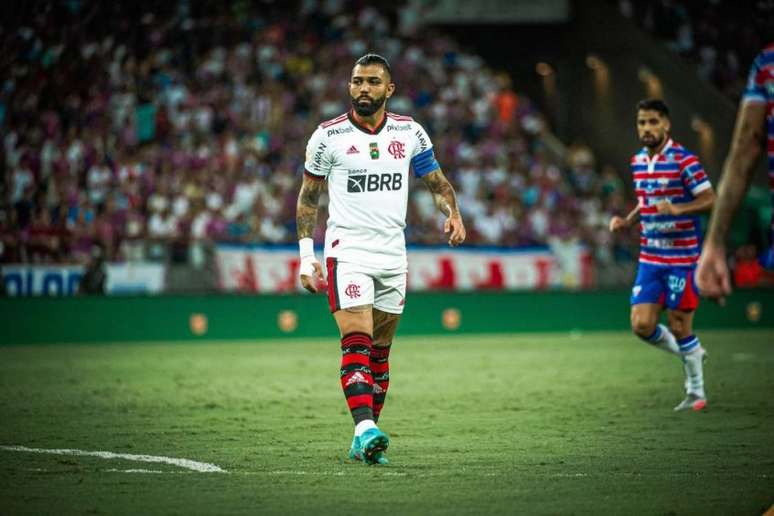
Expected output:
(114, 470)
(201, 467)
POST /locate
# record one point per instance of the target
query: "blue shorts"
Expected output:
(671, 287)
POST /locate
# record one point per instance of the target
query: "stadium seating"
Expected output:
(719, 37)
(152, 133)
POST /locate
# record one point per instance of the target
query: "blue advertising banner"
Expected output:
(41, 280)
(63, 280)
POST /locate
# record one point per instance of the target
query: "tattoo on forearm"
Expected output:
(443, 192)
(306, 207)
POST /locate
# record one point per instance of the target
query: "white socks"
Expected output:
(689, 350)
(694, 372)
(663, 339)
(363, 426)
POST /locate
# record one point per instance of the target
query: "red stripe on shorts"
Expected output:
(333, 285)
(689, 301)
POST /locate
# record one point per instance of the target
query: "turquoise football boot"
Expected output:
(373, 443)
(355, 451)
(380, 459)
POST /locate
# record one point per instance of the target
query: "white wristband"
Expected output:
(306, 247)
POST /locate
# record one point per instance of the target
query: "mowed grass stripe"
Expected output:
(531, 424)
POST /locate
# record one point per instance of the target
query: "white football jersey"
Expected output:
(368, 175)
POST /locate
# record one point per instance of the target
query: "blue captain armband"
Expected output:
(424, 163)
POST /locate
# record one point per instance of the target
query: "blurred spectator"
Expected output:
(721, 37)
(95, 275)
(747, 269)
(154, 130)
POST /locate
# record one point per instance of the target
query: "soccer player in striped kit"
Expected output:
(363, 158)
(671, 188)
(754, 124)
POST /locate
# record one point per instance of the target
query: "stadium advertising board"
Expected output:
(135, 278)
(63, 280)
(264, 269)
(45, 280)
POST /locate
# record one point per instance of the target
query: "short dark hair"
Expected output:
(653, 105)
(370, 59)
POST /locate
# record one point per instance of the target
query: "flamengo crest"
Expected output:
(352, 290)
(397, 149)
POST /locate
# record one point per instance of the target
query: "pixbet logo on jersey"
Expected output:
(343, 130)
(375, 182)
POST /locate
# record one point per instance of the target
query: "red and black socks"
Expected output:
(380, 369)
(356, 378)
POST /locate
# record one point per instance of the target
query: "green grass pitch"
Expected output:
(506, 424)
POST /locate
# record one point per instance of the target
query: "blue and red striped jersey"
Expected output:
(676, 175)
(760, 88)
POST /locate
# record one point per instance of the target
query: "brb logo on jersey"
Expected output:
(397, 149)
(375, 182)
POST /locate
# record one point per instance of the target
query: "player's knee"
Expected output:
(643, 326)
(679, 328)
(353, 326)
(680, 324)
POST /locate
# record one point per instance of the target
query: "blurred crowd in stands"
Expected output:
(149, 132)
(722, 37)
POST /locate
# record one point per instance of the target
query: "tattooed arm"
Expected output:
(306, 219)
(746, 147)
(747, 144)
(446, 200)
(306, 207)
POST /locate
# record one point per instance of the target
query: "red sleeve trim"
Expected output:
(687, 162)
(334, 121)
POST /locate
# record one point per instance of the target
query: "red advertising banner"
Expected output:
(265, 269)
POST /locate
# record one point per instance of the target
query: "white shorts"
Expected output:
(351, 285)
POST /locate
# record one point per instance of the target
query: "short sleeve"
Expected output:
(422, 157)
(693, 175)
(318, 161)
(755, 90)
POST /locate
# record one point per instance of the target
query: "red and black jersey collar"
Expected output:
(365, 129)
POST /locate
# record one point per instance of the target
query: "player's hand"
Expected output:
(311, 274)
(618, 223)
(666, 208)
(454, 225)
(712, 276)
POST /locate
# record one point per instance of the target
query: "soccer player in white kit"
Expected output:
(363, 158)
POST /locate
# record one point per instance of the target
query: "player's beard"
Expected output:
(369, 108)
(654, 142)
